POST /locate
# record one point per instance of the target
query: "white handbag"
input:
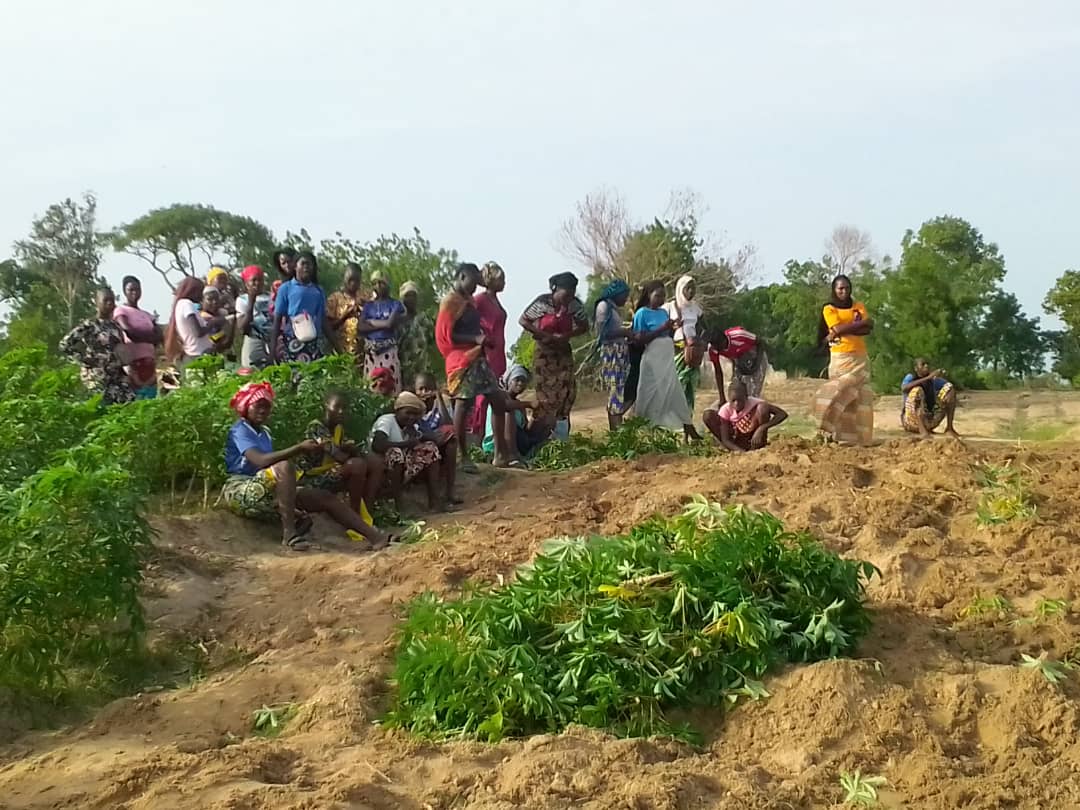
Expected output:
(304, 328)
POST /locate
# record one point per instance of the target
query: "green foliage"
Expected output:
(1063, 300)
(185, 240)
(1005, 496)
(1054, 672)
(615, 632)
(634, 438)
(1008, 341)
(523, 350)
(995, 607)
(270, 721)
(859, 789)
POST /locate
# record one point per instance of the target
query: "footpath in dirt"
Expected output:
(936, 702)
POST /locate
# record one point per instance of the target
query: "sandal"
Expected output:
(297, 543)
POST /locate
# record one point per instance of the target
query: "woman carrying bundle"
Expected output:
(844, 406)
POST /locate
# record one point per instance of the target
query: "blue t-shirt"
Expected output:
(243, 437)
(649, 320)
(294, 298)
(381, 311)
(930, 390)
(432, 420)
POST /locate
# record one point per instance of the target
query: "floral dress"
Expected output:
(553, 366)
(93, 345)
(336, 307)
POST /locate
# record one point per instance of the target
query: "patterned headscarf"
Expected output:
(250, 272)
(614, 289)
(491, 274)
(516, 372)
(248, 395)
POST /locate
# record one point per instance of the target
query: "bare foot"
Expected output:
(952, 432)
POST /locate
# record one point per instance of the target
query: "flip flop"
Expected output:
(297, 543)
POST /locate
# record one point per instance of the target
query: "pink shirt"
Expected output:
(728, 413)
(493, 322)
(140, 320)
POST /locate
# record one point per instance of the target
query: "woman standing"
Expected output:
(689, 350)
(553, 319)
(845, 404)
(188, 336)
(414, 334)
(141, 338)
(343, 313)
(253, 314)
(94, 345)
(613, 348)
(379, 320)
(493, 322)
(300, 315)
(660, 398)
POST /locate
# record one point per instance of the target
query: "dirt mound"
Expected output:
(937, 704)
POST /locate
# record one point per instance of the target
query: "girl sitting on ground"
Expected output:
(437, 425)
(743, 422)
(526, 436)
(408, 455)
(338, 465)
(262, 480)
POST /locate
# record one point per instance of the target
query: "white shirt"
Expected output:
(690, 314)
(195, 345)
(388, 424)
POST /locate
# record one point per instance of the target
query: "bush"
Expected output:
(615, 632)
(632, 439)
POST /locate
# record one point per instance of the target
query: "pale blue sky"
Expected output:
(483, 122)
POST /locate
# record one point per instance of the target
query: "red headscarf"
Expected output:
(250, 272)
(248, 395)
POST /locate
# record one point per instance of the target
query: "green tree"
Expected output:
(1063, 300)
(55, 267)
(185, 240)
(1066, 348)
(1008, 341)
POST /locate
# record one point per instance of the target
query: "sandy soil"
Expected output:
(934, 702)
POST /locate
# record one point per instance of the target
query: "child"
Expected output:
(212, 303)
(437, 426)
(383, 382)
(742, 423)
(396, 437)
(338, 465)
(262, 479)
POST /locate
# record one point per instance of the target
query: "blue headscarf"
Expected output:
(615, 288)
(516, 372)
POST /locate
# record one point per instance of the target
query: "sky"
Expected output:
(483, 122)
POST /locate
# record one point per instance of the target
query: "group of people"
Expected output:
(649, 360)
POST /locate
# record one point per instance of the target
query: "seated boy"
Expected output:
(437, 425)
(928, 399)
(743, 422)
(338, 465)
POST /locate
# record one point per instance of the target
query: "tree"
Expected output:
(847, 248)
(1066, 348)
(57, 265)
(1008, 341)
(597, 233)
(1063, 300)
(185, 240)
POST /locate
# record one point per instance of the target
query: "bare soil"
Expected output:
(935, 702)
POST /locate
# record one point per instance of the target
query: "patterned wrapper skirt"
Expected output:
(555, 383)
(298, 352)
(414, 460)
(915, 406)
(475, 380)
(689, 378)
(251, 496)
(614, 369)
(844, 406)
(383, 354)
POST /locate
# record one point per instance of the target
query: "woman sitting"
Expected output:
(743, 422)
(338, 465)
(408, 455)
(262, 480)
(525, 437)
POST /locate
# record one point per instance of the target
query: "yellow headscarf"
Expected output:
(215, 273)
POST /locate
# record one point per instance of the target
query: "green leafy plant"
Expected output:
(859, 789)
(613, 632)
(1054, 671)
(270, 721)
(997, 607)
(1005, 496)
(633, 439)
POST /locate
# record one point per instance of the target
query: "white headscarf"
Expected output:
(686, 308)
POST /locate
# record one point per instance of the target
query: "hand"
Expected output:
(760, 438)
(938, 373)
(310, 446)
(348, 446)
(832, 335)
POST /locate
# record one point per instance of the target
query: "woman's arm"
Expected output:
(776, 415)
(533, 328)
(718, 373)
(134, 334)
(246, 317)
(263, 460)
(275, 330)
(444, 412)
(380, 443)
(907, 387)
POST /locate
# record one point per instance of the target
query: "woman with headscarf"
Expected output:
(188, 336)
(343, 309)
(525, 437)
(660, 398)
(613, 348)
(408, 455)
(414, 334)
(379, 320)
(262, 482)
(95, 345)
(689, 348)
(253, 319)
(219, 277)
(844, 406)
(300, 315)
(461, 341)
(493, 322)
(142, 336)
(554, 319)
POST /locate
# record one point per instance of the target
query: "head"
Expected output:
(211, 300)
(254, 402)
(408, 408)
(426, 388)
(105, 303)
(468, 279)
(191, 289)
(922, 368)
(492, 277)
(563, 288)
(383, 382)
(380, 285)
(284, 262)
(685, 289)
(218, 277)
(351, 282)
(652, 295)
(336, 408)
(841, 290)
(737, 395)
(307, 268)
(254, 280)
(410, 296)
(132, 290)
(718, 339)
(259, 413)
(516, 380)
